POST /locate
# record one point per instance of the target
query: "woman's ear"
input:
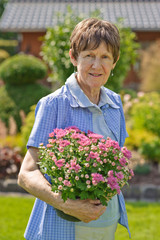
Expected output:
(73, 60)
(114, 64)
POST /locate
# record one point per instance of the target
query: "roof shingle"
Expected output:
(38, 15)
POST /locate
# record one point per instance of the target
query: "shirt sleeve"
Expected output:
(123, 130)
(45, 122)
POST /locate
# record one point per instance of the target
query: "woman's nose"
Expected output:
(96, 63)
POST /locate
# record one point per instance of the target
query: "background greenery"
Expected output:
(143, 219)
(22, 69)
(143, 124)
(20, 91)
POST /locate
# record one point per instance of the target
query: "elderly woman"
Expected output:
(83, 102)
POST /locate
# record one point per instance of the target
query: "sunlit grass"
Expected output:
(14, 214)
(144, 219)
(144, 222)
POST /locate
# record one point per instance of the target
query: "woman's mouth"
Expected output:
(95, 74)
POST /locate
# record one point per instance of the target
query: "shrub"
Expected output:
(10, 161)
(151, 150)
(143, 123)
(142, 169)
(137, 137)
(12, 142)
(3, 55)
(15, 99)
(22, 69)
(7, 106)
(145, 112)
(27, 127)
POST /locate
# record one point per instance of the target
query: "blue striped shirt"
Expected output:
(59, 110)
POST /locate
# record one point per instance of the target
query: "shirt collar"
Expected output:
(80, 97)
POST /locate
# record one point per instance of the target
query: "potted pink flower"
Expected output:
(84, 165)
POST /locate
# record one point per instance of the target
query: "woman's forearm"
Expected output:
(31, 179)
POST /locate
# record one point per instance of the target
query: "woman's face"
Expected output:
(94, 67)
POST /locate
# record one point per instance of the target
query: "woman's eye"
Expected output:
(105, 57)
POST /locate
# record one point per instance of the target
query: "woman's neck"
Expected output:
(92, 94)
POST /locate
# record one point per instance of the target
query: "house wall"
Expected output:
(31, 42)
(147, 36)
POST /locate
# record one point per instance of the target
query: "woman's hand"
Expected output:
(85, 210)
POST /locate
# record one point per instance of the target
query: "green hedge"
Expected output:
(22, 69)
(3, 55)
(14, 99)
(8, 44)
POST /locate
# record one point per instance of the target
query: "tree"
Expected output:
(55, 50)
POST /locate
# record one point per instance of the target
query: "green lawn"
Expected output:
(144, 219)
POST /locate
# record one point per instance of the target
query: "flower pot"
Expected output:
(66, 216)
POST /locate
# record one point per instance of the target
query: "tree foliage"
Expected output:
(56, 44)
(55, 49)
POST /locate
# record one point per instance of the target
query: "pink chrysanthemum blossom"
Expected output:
(94, 135)
(102, 146)
(51, 154)
(80, 148)
(96, 178)
(60, 179)
(131, 172)
(60, 187)
(93, 154)
(61, 149)
(119, 175)
(112, 182)
(84, 142)
(122, 161)
(73, 128)
(110, 173)
(74, 166)
(112, 143)
(59, 163)
(52, 140)
(49, 145)
(126, 152)
(64, 143)
(51, 134)
(60, 132)
(67, 183)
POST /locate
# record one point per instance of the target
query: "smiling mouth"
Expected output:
(95, 74)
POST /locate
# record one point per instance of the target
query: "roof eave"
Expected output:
(19, 30)
(146, 29)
